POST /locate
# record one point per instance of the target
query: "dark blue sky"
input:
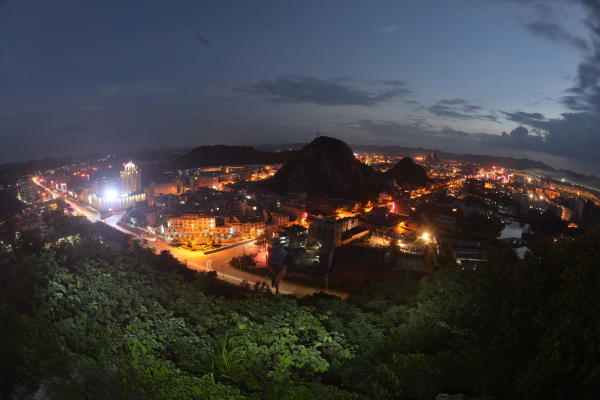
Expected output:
(494, 77)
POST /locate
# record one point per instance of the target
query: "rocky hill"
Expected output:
(407, 171)
(326, 165)
(207, 156)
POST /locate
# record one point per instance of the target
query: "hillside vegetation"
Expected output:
(86, 323)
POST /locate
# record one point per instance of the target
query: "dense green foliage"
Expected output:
(96, 324)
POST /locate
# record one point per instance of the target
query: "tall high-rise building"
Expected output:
(567, 214)
(577, 205)
(131, 179)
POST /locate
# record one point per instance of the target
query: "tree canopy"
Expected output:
(85, 322)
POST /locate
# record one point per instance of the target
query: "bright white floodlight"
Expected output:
(111, 194)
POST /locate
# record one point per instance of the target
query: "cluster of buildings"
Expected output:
(527, 192)
(37, 220)
(219, 177)
(568, 209)
(24, 190)
(210, 202)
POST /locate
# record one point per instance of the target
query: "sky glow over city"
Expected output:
(509, 78)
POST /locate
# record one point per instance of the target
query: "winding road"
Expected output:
(199, 261)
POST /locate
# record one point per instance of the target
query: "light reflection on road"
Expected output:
(199, 261)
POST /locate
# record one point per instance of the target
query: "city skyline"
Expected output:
(506, 78)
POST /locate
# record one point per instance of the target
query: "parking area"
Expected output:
(307, 257)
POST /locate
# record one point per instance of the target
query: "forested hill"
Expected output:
(80, 322)
(207, 156)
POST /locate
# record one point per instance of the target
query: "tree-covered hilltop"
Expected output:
(83, 322)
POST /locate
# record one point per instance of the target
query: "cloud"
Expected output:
(452, 132)
(488, 117)
(203, 40)
(392, 129)
(393, 82)
(518, 138)
(472, 108)
(575, 135)
(390, 28)
(414, 130)
(453, 102)
(585, 95)
(523, 117)
(545, 24)
(553, 32)
(459, 109)
(444, 111)
(325, 92)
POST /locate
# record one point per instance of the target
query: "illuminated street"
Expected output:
(199, 261)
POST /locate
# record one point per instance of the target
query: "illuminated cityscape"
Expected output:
(300, 200)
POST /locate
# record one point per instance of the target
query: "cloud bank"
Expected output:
(345, 91)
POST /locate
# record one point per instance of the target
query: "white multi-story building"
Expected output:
(131, 179)
(198, 225)
(281, 219)
(190, 225)
(241, 226)
(115, 203)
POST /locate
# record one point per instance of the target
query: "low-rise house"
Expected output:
(293, 236)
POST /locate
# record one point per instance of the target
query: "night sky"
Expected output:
(511, 78)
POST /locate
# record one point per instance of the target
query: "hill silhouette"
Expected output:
(407, 171)
(329, 166)
(207, 156)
